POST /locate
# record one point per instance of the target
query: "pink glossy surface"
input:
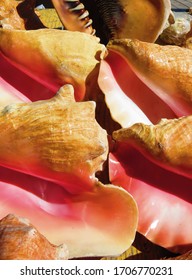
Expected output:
(22, 82)
(100, 221)
(164, 199)
(151, 105)
(91, 221)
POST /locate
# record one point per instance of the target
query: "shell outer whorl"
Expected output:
(60, 136)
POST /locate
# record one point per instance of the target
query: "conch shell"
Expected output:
(92, 219)
(20, 240)
(98, 222)
(129, 98)
(141, 19)
(166, 70)
(60, 136)
(166, 143)
(54, 57)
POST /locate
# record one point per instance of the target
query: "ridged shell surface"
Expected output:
(60, 137)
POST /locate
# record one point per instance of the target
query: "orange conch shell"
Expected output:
(54, 57)
(20, 240)
(166, 70)
(60, 136)
(167, 143)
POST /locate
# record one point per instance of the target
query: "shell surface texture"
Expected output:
(166, 70)
(116, 18)
(54, 57)
(60, 136)
(91, 184)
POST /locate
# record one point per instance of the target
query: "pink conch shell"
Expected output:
(20, 240)
(166, 143)
(166, 70)
(128, 98)
(98, 222)
(61, 137)
(156, 190)
(164, 198)
(54, 57)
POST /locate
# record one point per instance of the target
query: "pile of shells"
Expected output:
(95, 130)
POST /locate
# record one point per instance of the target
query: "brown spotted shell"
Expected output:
(20, 240)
